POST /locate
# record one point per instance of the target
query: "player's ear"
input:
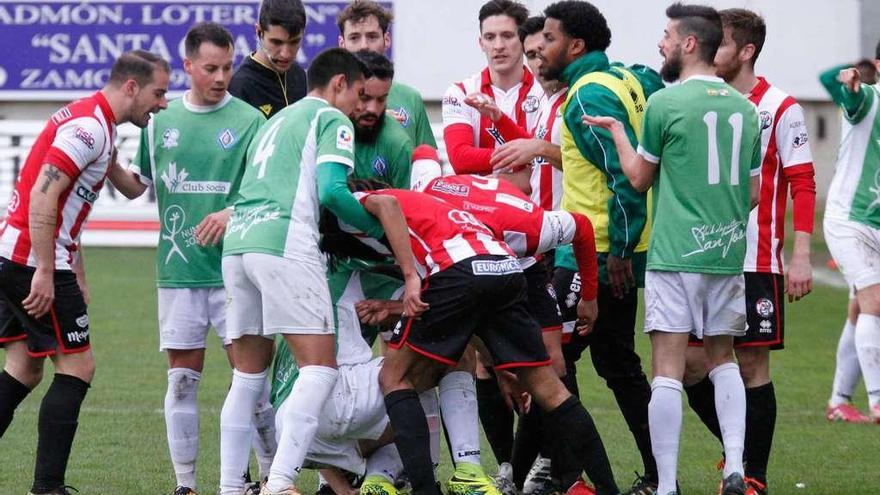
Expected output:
(387, 37)
(341, 41)
(577, 47)
(187, 65)
(747, 52)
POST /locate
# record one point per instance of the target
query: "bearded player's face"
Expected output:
(727, 58)
(553, 50)
(368, 117)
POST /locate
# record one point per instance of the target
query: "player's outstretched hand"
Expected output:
(211, 229)
(799, 281)
(850, 79)
(514, 394)
(39, 300)
(620, 274)
(587, 312)
(413, 306)
(483, 104)
(603, 122)
(513, 153)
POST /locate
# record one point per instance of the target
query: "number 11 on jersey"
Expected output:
(736, 122)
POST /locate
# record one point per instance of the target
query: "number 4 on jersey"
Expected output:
(266, 147)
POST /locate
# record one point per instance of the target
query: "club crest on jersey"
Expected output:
(764, 307)
(449, 188)
(531, 104)
(766, 119)
(380, 167)
(226, 138)
(170, 137)
(344, 139)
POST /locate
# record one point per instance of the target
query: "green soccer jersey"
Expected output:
(347, 287)
(278, 210)
(388, 158)
(195, 157)
(405, 104)
(705, 136)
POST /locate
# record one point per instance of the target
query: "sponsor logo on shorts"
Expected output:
(79, 337)
(571, 299)
(449, 188)
(766, 327)
(467, 453)
(531, 104)
(496, 267)
(170, 137)
(764, 307)
(83, 321)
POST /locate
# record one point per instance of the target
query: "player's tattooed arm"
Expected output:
(42, 219)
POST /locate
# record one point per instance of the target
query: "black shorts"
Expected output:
(64, 329)
(765, 312)
(567, 285)
(542, 298)
(483, 296)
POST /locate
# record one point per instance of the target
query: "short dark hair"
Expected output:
(515, 10)
(138, 65)
(358, 10)
(206, 32)
(376, 65)
(701, 22)
(867, 71)
(289, 14)
(582, 20)
(746, 27)
(533, 25)
(331, 63)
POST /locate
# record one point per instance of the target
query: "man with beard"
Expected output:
(43, 294)
(701, 142)
(575, 38)
(786, 160)
(270, 79)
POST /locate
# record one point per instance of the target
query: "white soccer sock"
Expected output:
(730, 406)
(300, 423)
(867, 338)
(385, 462)
(431, 405)
(664, 421)
(847, 370)
(182, 423)
(264, 425)
(237, 429)
(458, 402)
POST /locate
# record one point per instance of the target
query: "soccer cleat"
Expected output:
(377, 485)
(504, 479)
(185, 490)
(642, 486)
(290, 490)
(733, 485)
(539, 475)
(61, 490)
(846, 413)
(875, 414)
(580, 487)
(755, 487)
(255, 488)
(469, 479)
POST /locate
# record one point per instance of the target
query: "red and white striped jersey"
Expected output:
(521, 103)
(441, 235)
(546, 180)
(783, 146)
(78, 140)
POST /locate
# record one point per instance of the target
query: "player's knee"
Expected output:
(192, 359)
(869, 299)
(29, 374)
(80, 365)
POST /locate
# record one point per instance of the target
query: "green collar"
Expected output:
(590, 62)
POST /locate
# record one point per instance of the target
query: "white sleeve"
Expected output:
(792, 140)
(558, 229)
(424, 171)
(82, 141)
(454, 109)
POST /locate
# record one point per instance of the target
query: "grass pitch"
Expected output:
(120, 447)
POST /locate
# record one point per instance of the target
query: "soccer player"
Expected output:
(363, 25)
(194, 153)
(270, 79)
(576, 36)
(474, 286)
(852, 213)
(786, 160)
(700, 143)
(274, 273)
(43, 308)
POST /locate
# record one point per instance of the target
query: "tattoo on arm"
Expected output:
(51, 174)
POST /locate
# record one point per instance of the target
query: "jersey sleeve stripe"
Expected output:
(335, 159)
(59, 159)
(651, 158)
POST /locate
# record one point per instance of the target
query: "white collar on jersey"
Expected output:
(704, 78)
(205, 108)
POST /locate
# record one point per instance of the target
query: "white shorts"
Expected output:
(696, 303)
(186, 314)
(269, 294)
(856, 249)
